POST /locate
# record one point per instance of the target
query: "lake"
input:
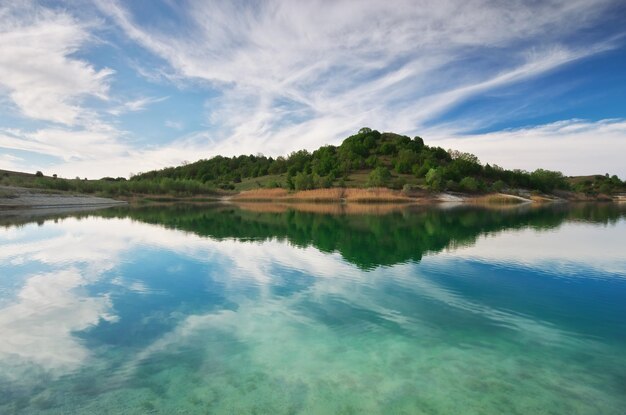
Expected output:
(326, 310)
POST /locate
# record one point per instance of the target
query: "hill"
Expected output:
(368, 159)
(373, 159)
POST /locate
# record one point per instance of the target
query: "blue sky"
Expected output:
(105, 88)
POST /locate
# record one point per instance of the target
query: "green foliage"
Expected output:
(290, 183)
(498, 186)
(368, 154)
(469, 184)
(547, 181)
(452, 185)
(434, 179)
(406, 160)
(388, 149)
(372, 161)
(596, 185)
(462, 165)
(419, 143)
(368, 149)
(303, 181)
(379, 177)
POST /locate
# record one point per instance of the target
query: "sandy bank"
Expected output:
(23, 198)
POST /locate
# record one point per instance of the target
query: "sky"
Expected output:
(95, 88)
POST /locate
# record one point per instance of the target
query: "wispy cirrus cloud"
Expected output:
(296, 75)
(90, 145)
(274, 76)
(38, 69)
(139, 104)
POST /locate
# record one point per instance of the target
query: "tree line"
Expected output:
(390, 160)
(366, 159)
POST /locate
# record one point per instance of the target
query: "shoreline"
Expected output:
(385, 196)
(21, 198)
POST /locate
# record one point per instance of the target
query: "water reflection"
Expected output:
(230, 310)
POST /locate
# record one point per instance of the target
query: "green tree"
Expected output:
(378, 177)
(419, 143)
(303, 181)
(547, 181)
(290, 183)
(405, 161)
(469, 184)
(498, 186)
(434, 179)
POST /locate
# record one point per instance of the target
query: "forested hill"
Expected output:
(371, 158)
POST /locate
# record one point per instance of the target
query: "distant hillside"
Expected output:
(373, 159)
(366, 159)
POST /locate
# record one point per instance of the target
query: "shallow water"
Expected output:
(225, 310)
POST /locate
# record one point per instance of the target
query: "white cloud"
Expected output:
(294, 75)
(176, 125)
(40, 323)
(574, 246)
(136, 105)
(9, 162)
(38, 327)
(37, 67)
(279, 76)
(94, 143)
(574, 147)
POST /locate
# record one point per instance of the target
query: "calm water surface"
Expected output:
(226, 310)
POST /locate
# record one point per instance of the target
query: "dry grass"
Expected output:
(376, 195)
(261, 195)
(351, 195)
(335, 194)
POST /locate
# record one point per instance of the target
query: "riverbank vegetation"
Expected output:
(372, 159)
(109, 187)
(366, 160)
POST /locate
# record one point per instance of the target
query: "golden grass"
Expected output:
(352, 195)
(376, 195)
(335, 194)
(261, 194)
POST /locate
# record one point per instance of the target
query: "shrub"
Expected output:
(378, 177)
(434, 179)
(498, 186)
(469, 184)
(452, 185)
(303, 181)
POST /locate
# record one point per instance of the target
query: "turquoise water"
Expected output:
(225, 310)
